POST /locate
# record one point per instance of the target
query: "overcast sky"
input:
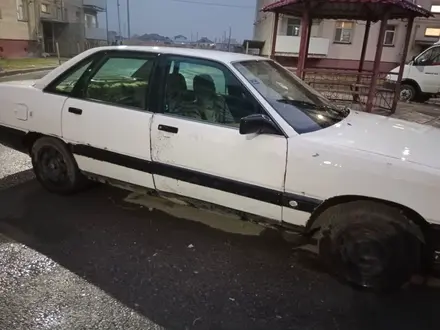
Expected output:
(210, 18)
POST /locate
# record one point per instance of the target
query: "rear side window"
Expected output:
(121, 81)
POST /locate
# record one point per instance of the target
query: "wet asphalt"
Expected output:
(92, 261)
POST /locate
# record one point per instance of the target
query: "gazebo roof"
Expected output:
(349, 9)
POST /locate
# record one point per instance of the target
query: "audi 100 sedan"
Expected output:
(243, 133)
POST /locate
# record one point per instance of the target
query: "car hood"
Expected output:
(24, 83)
(384, 136)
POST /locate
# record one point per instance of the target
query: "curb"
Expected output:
(15, 72)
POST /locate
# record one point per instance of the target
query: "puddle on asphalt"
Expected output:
(223, 222)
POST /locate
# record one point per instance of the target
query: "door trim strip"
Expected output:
(268, 195)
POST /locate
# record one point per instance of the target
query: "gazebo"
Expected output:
(356, 10)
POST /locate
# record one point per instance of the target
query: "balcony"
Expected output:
(289, 46)
(96, 33)
(55, 15)
(96, 5)
(427, 33)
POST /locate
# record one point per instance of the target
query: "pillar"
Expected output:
(362, 60)
(274, 36)
(377, 58)
(402, 64)
(304, 44)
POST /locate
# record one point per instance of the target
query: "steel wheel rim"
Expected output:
(53, 167)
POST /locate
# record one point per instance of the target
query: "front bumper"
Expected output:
(389, 84)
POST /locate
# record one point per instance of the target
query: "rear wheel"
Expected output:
(55, 167)
(368, 244)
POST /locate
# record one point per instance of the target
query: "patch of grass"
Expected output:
(27, 63)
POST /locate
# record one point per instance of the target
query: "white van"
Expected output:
(421, 76)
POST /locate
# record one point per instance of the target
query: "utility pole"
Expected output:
(119, 19)
(128, 19)
(229, 40)
(106, 20)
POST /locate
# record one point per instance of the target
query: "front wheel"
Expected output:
(407, 93)
(368, 245)
(55, 167)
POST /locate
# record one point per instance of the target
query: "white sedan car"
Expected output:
(238, 132)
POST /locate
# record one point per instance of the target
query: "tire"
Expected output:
(55, 167)
(408, 93)
(368, 245)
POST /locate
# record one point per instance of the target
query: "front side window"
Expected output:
(344, 32)
(390, 35)
(206, 91)
(429, 57)
(121, 81)
(300, 105)
(293, 26)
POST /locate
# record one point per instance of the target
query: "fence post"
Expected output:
(58, 52)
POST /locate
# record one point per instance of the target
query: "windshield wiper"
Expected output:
(332, 109)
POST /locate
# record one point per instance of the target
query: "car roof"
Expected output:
(216, 55)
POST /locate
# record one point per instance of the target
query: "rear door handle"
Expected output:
(76, 111)
(170, 129)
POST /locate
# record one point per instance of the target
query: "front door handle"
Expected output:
(169, 129)
(76, 111)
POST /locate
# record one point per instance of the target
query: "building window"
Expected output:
(432, 32)
(293, 26)
(59, 13)
(45, 8)
(21, 10)
(90, 21)
(390, 35)
(435, 9)
(344, 32)
(78, 16)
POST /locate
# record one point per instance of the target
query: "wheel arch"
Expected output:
(30, 138)
(413, 83)
(314, 223)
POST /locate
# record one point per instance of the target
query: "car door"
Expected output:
(107, 121)
(427, 67)
(197, 149)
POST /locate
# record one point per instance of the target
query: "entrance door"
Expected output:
(197, 148)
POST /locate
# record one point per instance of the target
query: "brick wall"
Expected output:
(16, 48)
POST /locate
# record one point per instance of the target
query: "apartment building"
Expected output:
(338, 44)
(32, 27)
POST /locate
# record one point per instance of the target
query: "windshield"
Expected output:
(300, 105)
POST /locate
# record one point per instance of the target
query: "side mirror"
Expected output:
(259, 124)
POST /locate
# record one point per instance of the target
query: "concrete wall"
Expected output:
(10, 27)
(22, 38)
